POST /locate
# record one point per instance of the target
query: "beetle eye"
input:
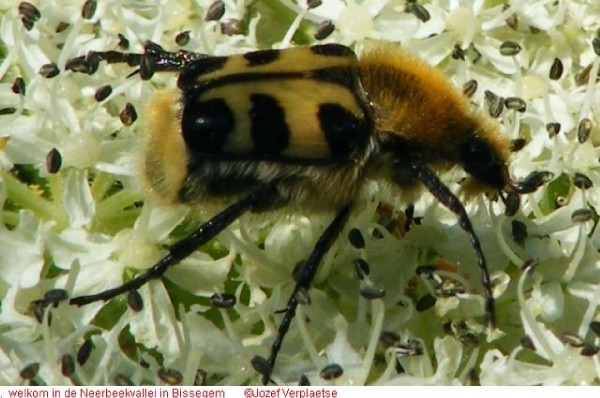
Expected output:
(481, 162)
(478, 154)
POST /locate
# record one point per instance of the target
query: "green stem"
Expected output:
(25, 197)
(102, 183)
(110, 213)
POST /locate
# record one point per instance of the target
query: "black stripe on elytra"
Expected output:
(344, 132)
(187, 77)
(206, 125)
(197, 161)
(269, 130)
(263, 57)
(332, 50)
(343, 75)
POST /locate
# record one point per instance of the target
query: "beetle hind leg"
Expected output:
(265, 367)
(181, 249)
(153, 59)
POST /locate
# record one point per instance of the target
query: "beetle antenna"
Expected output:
(448, 199)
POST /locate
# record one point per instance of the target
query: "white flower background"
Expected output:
(83, 229)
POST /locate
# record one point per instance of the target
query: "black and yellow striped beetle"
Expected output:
(306, 128)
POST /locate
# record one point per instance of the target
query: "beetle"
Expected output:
(305, 128)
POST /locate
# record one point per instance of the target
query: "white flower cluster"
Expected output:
(71, 214)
